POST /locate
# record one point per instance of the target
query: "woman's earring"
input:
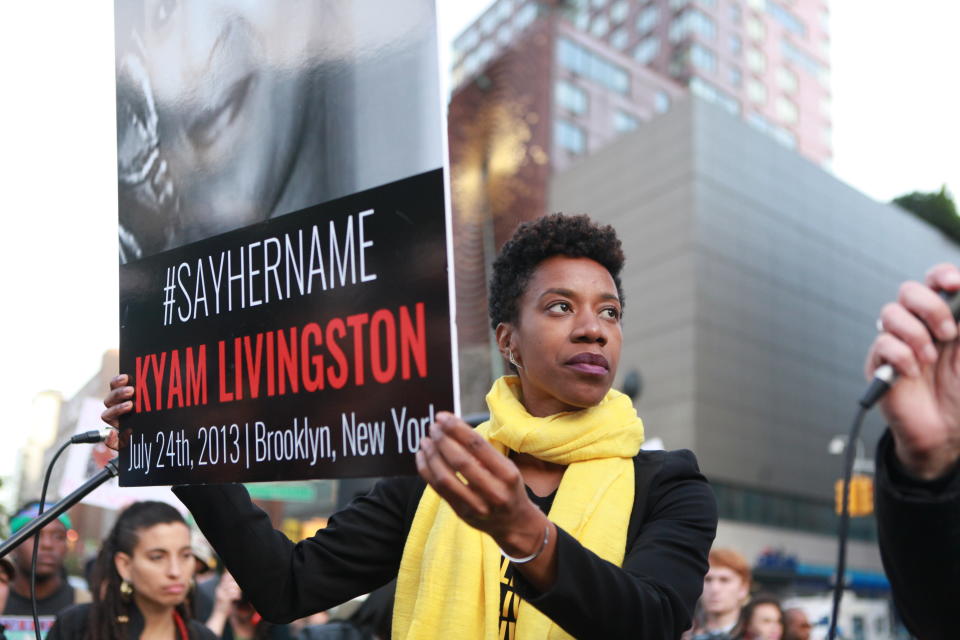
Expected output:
(126, 590)
(513, 360)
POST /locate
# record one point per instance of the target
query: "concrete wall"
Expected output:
(753, 279)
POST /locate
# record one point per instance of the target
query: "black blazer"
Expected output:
(73, 623)
(919, 533)
(671, 528)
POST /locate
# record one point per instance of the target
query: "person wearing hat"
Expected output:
(54, 593)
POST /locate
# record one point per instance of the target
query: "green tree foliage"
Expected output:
(936, 208)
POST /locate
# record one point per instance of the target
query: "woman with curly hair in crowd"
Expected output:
(141, 580)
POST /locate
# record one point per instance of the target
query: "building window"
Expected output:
(756, 91)
(677, 4)
(703, 58)
(787, 110)
(504, 9)
(619, 11)
(736, 45)
(781, 510)
(692, 22)
(734, 77)
(710, 93)
(598, 4)
(525, 16)
(600, 26)
(828, 135)
(571, 97)
(624, 122)
(801, 58)
(661, 102)
(826, 106)
(780, 134)
(735, 13)
(789, 21)
(647, 18)
(756, 61)
(755, 29)
(582, 21)
(590, 65)
(647, 49)
(489, 21)
(467, 40)
(618, 39)
(569, 136)
(787, 80)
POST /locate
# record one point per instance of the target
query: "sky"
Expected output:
(895, 99)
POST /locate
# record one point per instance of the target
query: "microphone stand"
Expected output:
(109, 471)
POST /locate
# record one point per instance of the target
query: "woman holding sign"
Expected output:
(545, 521)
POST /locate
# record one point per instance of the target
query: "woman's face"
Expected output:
(765, 623)
(567, 338)
(160, 566)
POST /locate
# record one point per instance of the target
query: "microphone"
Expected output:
(91, 437)
(885, 375)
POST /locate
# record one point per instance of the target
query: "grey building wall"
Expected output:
(752, 283)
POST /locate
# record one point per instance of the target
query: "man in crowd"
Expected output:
(796, 625)
(726, 588)
(54, 593)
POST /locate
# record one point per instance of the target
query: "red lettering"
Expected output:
(158, 376)
(197, 376)
(336, 381)
(288, 361)
(225, 396)
(253, 364)
(142, 396)
(413, 342)
(271, 384)
(175, 389)
(383, 374)
(237, 369)
(315, 382)
(356, 323)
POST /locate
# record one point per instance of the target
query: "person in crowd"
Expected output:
(726, 588)
(234, 618)
(917, 499)
(371, 620)
(54, 592)
(796, 624)
(624, 549)
(144, 572)
(7, 572)
(760, 619)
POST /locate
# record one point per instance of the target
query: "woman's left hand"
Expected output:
(491, 497)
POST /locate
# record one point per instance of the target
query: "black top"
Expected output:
(53, 604)
(670, 531)
(73, 624)
(919, 533)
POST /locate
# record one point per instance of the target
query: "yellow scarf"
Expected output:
(449, 580)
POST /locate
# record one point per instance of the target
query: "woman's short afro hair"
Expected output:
(535, 241)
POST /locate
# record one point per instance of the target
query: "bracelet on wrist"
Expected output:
(533, 556)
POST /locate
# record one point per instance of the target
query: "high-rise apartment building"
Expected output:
(538, 84)
(765, 60)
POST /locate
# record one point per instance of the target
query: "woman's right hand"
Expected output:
(118, 402)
